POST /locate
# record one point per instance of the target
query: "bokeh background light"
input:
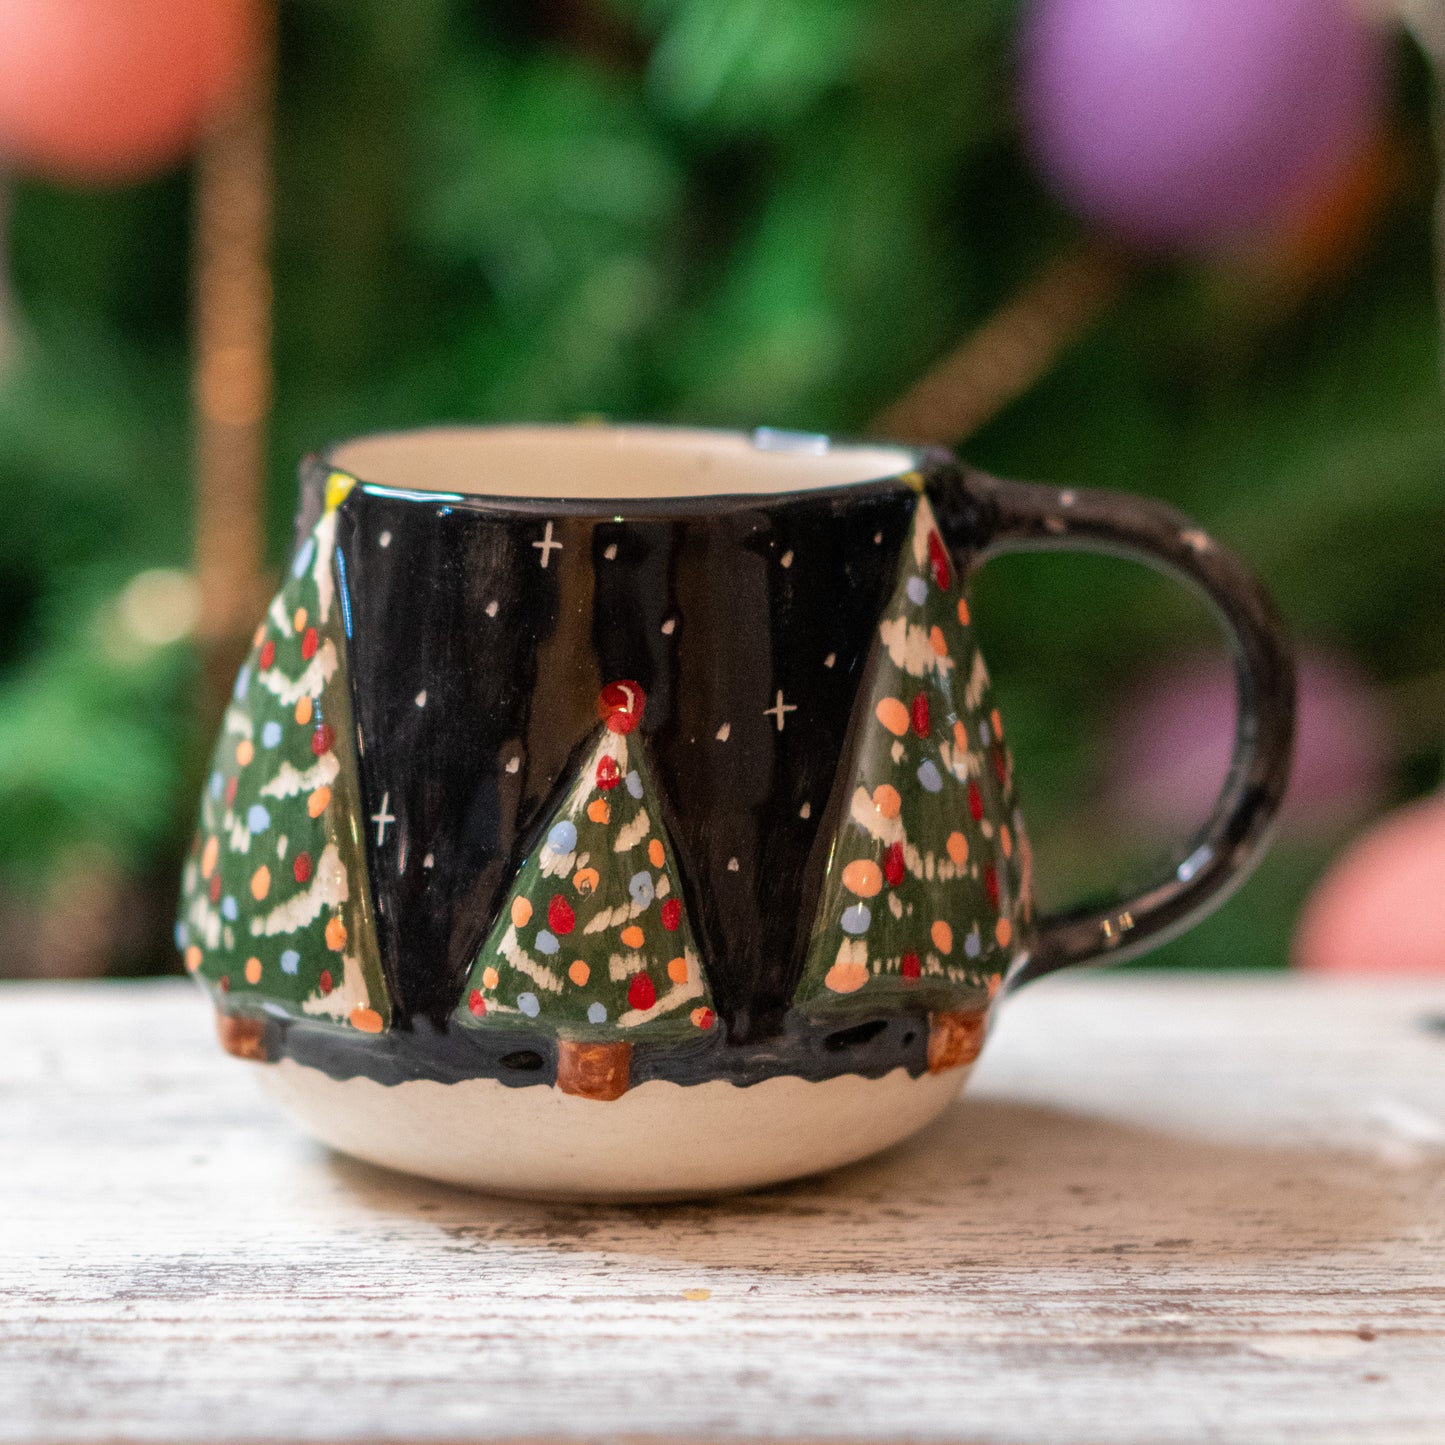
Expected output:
(1185, 248)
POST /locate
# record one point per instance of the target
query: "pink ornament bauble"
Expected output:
(1190, 122)
(1171, 747)
(112, 90)
(1380, 908)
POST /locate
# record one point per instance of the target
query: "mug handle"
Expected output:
(1001, 516)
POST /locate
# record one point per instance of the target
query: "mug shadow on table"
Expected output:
(961, 1195)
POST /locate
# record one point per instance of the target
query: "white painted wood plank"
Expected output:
(1169, 1209)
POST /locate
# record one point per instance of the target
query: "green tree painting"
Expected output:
(927, 880)
(275, 906)
(593, 943)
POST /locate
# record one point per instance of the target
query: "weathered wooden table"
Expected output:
(1168, 1209)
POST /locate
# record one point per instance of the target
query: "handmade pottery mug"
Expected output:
(623, 813)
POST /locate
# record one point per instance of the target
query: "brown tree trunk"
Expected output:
(244, 1037)
(593, 1071)
(955, 1038)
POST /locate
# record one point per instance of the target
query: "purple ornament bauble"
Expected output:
(1173, 738)
(1185, 123)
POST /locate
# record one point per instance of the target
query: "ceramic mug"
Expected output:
(623, 812)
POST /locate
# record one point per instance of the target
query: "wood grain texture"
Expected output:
(1168, 1209)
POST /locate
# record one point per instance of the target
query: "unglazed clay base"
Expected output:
(659, 1141)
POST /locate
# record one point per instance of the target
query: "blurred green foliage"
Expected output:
(720, 211)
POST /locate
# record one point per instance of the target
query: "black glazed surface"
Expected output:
(480, 631)
(520, 688)
(713, 606)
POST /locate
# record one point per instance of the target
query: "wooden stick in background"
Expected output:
(1008, 353)
(232, 378)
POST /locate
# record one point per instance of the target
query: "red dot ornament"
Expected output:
(560, 918)
(641, 992)
(477, 1004)
(910, 967)
(301, 868)
(938, 561)
(671, 914)
(608, 774)
(893, 868)
(323, 739)
(325, 981)
(620, 705)
(919, 715)
(990, 885)
(268, 654)
(975, 802)
(309, 644)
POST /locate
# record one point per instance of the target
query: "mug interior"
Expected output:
(588, 462)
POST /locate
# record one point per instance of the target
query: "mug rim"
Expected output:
(737, 449)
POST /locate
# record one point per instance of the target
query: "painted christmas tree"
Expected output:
(925, 881)
(593, 943)
(275, 904)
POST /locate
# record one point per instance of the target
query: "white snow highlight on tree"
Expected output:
(633, 833)
(328, 890)
(238, 721)
(344, 999)
(910, 650)
(319, 671)
(280, 618)
(523, 962)
(865, 814)
(325, 535)
(675, 997)
(288, 781)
